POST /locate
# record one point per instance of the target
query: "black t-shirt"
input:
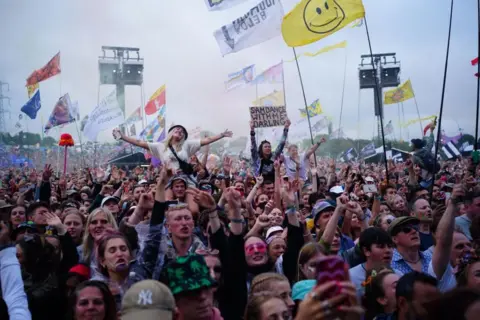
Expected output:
(426, 241)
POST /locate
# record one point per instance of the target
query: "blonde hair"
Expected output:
(87, 243)
(176, 207)
(168, 141)
(263, 282)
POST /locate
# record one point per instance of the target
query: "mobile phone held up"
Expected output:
(329, 269)
(369, 188)
(116, 134)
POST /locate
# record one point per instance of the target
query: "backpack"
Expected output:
(429, 162)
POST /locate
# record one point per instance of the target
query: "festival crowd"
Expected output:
(286, 235)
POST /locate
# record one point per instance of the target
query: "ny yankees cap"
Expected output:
(148, 299)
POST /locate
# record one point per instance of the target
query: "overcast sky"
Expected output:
(177, 43)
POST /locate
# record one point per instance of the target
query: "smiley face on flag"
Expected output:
(323, 16)
(312, 20)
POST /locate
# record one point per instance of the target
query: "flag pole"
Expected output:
(343, 90)
(377, 96)
(81, 144)
(142, 108)
(399, 125)
(439, 125)
(283, 86)
(58, 154)
(475, 147)
(418, 114)
(304, 97)
(305, 101)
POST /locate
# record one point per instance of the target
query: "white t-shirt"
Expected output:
(189, 148)
(357, 276)
(291, 166)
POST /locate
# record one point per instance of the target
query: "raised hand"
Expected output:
(227, 164)
(252, 125)
(47, 172)
(204, 199)
(269, 207)
(227, 134)
(146, 201)
(54, 221)
(259, 181)
(342, 201)
(287, 123)
(233, 198)
(100, 174)
(263, 221)
(107, 189)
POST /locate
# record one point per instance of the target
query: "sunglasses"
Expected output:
(206, 187)
(408, 229)
(256, 247)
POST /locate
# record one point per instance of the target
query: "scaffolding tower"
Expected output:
(3, 111)
(385, 74)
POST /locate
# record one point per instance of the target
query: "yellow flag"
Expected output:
(342, 44)
(274, 99)
(410, 122)
(31, 89)
(312, 20)
(313, 109)
(399, 94)
(339, 45)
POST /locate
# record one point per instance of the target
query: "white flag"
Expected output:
(259, 24)
(213, 5)
(105, 116)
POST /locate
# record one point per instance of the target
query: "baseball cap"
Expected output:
(369, 179)
(143, 181)
(71, 192)
(319, 207)
(108, 199)
(272, 230)
(148, 299)
(336, 189)
(399, 222)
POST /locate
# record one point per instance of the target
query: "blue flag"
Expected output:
(32, 106)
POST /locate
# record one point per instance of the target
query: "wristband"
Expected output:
(364, 217)
(239, 220)
(291, 210)
(208, 211)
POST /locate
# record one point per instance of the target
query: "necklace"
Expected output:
(412, 261)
